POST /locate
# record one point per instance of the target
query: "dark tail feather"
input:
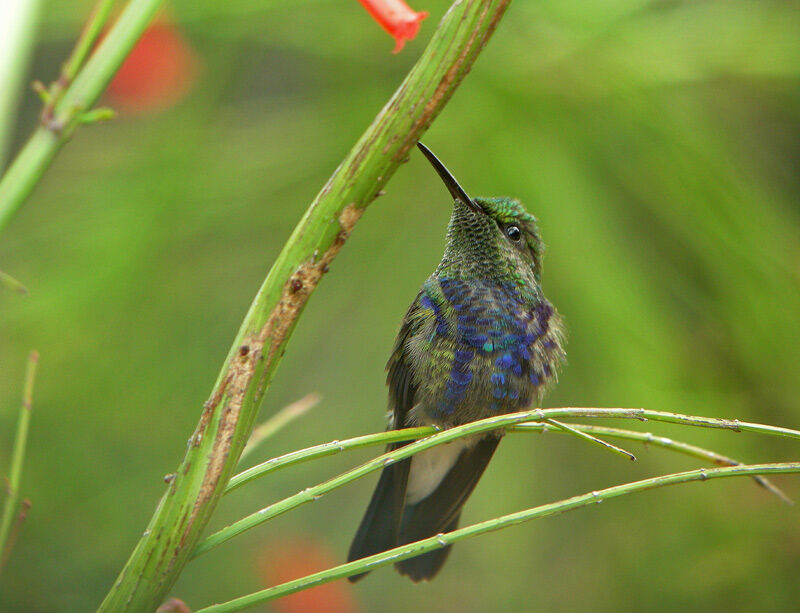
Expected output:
(440, 511)
(380, 526)
(426, 566)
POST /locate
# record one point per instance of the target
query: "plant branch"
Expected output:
(410, 434)
(17, 459)
(477, 427)
(583, 435)
(283, 417)
(11, 283)
(327, 449)
(24, 508)
(91, 31)
(228, 416)
(18, 26)
(648, 438)
(64, 111)
(443, 540)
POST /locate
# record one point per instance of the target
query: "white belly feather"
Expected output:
(429, 467)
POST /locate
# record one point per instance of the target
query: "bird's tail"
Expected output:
(391, 521)
(381, 523)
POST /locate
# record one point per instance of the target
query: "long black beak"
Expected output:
(456, 191)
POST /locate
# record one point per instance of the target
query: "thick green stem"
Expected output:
(228, 416)
(18, 23)
(443, 540)
(66, 112)
(17, 459)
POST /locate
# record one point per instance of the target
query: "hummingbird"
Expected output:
(479, 340)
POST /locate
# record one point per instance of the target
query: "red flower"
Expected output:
(298, 557)
(397, 18)
(158, 72)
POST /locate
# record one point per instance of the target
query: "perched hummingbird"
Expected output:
(480, 339)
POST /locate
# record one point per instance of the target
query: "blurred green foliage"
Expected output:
(657, 142)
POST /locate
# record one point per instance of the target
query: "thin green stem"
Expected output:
(409, 434)
(648, 438)
(443, 540)
(97, 20)
(567, 429)
(12, 284)
(24, 507)
(324, 450)
(17, 457)
(725, 424)
(282, 418)
(412, 434)
(502, 421)
(228, 416)
(317, 491)
(80, 95)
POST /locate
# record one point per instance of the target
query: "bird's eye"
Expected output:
(513, 233)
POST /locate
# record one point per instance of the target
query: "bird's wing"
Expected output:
(380, 526)
(402, 389)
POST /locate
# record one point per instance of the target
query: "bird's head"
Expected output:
(489, 236)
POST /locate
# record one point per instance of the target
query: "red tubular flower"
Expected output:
(299, 556)
(158, 72)
(397, 18)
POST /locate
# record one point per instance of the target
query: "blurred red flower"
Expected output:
(397, 18)
(296, 558)
(158, 72)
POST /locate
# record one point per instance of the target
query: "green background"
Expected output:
(656, 141)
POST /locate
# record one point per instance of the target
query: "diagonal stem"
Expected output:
(91, 31)
(77, 97)
(17, 459)
(410, 434)
(443, 540)
(280, 419)
(316, 492)
(11, 283)
(648, 438)
(583, 435)
(228, 416)
(502, 421)
(326, 449)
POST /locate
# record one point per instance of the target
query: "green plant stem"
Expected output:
(24, 508)
(91, 31)
(649, 438)
(17, 457)
(317, 491)
(443, 540)
(282, 418)
(409, 434)
(11, 283)
(326, 449)
(79, 96)
(17, 31)
(568, 429)
(412, 434)
(228, 416)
